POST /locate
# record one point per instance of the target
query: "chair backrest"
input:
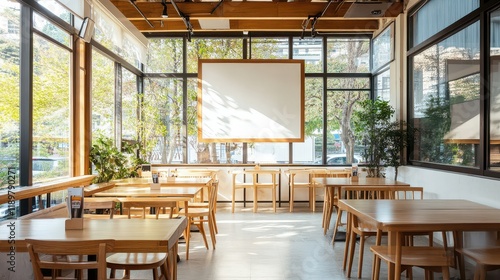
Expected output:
(146, 203)
(99, 248)
(367, 192)
(339, 173)
(212, 196)
(407, 192)
(102, 203)
(194, 173)
(299, 176)
(383, 192)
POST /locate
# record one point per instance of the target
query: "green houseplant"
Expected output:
(384, 139)
(111, 163)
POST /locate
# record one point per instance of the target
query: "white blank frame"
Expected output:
(250, 100)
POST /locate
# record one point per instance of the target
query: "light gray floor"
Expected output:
(270, 246)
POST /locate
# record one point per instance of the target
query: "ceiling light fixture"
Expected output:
(164, 14)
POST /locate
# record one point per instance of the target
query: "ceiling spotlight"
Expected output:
(164, 14)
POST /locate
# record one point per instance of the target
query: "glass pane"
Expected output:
(269, 48)
(51, 30)
(162, 114)
(103, 96)
(383, 85)
(349, 83)
(446, 88)
(383, 48)
(57, 9)
(164, 56)
(311, 51)
(348, 55)
(106, 32)
(430, 19)
(312, 148)
(212, 49)
(130, 106)
(51, 108)
(130, 51)
(9, 96)
(268, 153)
(494, 140)
(342, 147)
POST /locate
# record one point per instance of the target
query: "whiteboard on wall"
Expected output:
(246, 100)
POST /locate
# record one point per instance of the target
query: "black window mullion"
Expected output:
(118, 106)
(26, 106)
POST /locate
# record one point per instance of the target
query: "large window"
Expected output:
(170, 103)
(130, 107)
(103, 96)
(51, 107)
(312, 149)
(446, 90)
(9, 91)
(162, 114)
(494, 139)
(343, 95)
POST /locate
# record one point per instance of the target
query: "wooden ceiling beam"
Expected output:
(172, 25)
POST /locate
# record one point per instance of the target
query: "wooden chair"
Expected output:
(131, 261)
(99, 248)
(214, 184)
(200, 173)
(299, 178)
(357, 227)
(486, 259)
(158, 204)
(198, 216)
(91, 205)
(331, 198)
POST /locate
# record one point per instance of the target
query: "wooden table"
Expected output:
(135, 235)
(255, 184)
(333, 191)
(165, 182)
(397, 217)
(124, 191)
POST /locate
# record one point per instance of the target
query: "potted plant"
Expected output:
(384, 139)
(111, 163)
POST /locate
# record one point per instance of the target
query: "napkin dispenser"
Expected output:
(75, 209)
(354, 174)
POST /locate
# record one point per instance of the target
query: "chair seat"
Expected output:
(198, 204)
(485, 256)
(420, 256)
(146, 260)
(195, 212)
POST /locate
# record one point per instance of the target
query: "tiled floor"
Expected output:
(271, 246)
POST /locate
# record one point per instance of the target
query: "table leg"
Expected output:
(399, 249)
(274, 197)
(255, 199)
(458, 244)
(347, 241)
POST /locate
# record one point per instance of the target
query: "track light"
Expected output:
(164, 14)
